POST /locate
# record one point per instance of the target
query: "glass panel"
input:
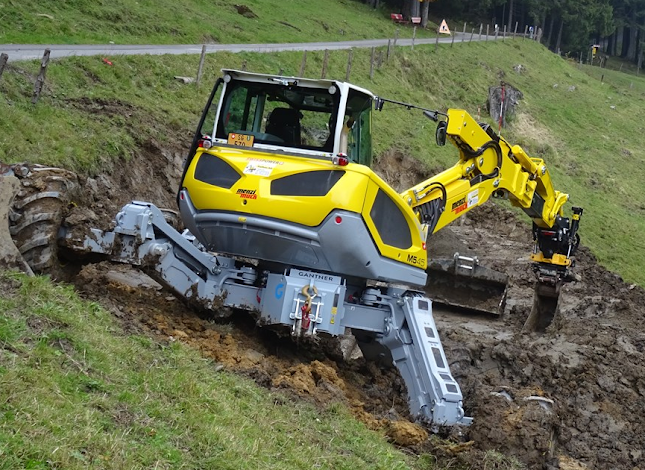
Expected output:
(359, 110)
(293, 116)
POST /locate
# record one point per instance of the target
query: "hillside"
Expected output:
(189, 22)
(127, 127)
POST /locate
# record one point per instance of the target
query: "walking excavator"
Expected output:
(284, 217)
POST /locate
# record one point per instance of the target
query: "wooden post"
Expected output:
(487, 28)
(396, 37)
(436, 43)
(303, 64)
(472, 33)
(504, 37)
(3, 61)
(201, 65)
(349, 64)
(515, 30)
(372, 63)
(323, 74)
(389, 49)
(40, 80)
(526, 28)
(452, 43)
(414, 35)
(481, 26)
(496, 33)
(463, 35)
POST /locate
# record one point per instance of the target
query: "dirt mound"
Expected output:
(307, 371)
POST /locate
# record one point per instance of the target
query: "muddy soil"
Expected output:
(571, 398)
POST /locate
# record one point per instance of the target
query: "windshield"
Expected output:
(291, 116)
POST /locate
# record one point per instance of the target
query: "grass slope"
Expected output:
(190, 21)
(76, 392)
(588, 130)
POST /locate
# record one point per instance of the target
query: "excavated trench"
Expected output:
(572, 397)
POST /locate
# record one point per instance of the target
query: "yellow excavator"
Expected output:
(295, 154)
(285, 217)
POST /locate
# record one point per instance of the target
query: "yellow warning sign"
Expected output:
(443, 28)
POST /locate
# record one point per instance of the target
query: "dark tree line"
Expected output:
(569, 26)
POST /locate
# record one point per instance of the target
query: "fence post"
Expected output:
(372, 63)
(323, 74)
(451, 42)
(504, 37)
(481, 26)
(526, 28)
(414, 35)
(463, 35)
(396, 37)
(38, 86)
(201, 65)
(303, 64)
(3, 61)
(487, 28)
(472, 33)
(349, 64)
(436, 43)
(515, 30)
(389, 49)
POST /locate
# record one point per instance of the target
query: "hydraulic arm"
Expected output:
(489, 166)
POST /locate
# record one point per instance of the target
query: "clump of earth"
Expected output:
(572, 397)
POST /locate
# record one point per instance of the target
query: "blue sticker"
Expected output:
(279, 291)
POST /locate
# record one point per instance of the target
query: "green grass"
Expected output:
(191, 22)
(589, 131)
(76, 392)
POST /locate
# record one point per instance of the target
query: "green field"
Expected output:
(191, 22)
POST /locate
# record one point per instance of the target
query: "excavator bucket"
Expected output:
(545, 307)
(462, 283)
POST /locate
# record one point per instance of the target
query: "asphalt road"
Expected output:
(35, 51)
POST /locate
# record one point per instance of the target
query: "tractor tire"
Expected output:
(38, 211)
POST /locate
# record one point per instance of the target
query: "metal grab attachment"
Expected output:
(308, 302)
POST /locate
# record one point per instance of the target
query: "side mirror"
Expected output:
(440, 133)
(378, 103)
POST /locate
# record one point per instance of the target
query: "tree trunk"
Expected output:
(416, 8)
(510, 15)
(633, 29)
(559, 40)
(424, 13)
(625, 42)
(548, 38)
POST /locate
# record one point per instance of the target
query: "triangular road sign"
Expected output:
(443, 29)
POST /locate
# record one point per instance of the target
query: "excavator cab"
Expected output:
(279, 171)
(297, 116)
